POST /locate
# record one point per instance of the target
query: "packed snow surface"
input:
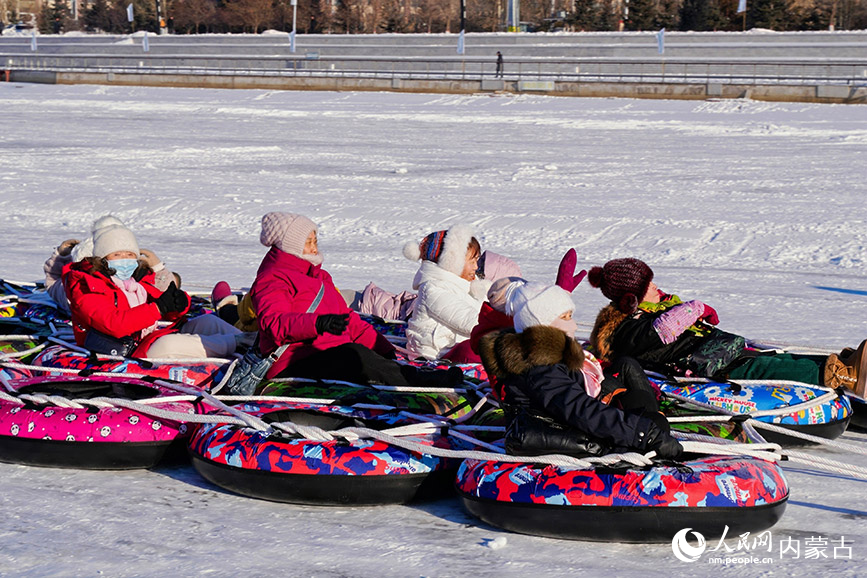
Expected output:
(755, 208)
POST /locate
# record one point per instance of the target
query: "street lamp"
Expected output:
(292, 36)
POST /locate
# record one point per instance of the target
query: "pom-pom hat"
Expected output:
(448, 249)
(113, 238)
(624, 281)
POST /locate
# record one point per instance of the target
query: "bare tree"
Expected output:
(192, 15)
(249, 14)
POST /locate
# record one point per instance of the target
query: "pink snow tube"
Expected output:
(42, 432)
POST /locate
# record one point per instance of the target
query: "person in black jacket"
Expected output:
(666, 334)
(541, 369)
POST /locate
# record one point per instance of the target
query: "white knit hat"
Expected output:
(538, 304)
(113, 238)
(286, 231)
(85, 248)
(105, 221)
(448, 249)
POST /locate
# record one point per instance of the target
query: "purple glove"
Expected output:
(710, 315)
(566, 277)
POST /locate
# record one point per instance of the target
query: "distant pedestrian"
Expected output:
(499, 72)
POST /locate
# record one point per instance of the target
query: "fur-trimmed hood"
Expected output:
(506, 353)
(607, 322)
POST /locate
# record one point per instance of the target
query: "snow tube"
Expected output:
(451, 405)
(626, 504)
(10, 348)
(105, 438)
(197, 374)
(275, 466)
(859, 411)
(828, 420)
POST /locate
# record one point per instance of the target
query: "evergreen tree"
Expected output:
(59, 16)
(96, 17)
(642, 15)
(701, 15)
(585, 15)
(771, 14)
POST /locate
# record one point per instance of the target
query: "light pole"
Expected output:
(292, 36)
(461, 48)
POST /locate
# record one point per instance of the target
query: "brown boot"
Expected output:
(850, 371)
(838, 373)
(858, 362)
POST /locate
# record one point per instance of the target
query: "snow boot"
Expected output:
(857, 364)
(221, 294)
(849, 370)
(429, 377)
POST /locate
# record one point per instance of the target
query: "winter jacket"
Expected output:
(617, 334)
(381, 303)
(490, 320)
(97, 303)
(540, 370)
(247, 320)
(284, 289)
(445, 312)
(53, 269)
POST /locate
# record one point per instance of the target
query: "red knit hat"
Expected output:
(624, 281)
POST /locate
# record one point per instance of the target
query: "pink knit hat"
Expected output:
(286, 231)
(501, 290)
(497, 266)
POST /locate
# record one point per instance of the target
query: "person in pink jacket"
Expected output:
(299, 306)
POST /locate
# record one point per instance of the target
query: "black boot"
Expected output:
(427, 377)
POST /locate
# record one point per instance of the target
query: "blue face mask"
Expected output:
(124, 268)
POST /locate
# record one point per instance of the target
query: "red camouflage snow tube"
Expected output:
(626, 504)
(200, 374)
(285, 468)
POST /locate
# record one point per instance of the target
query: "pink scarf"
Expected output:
(135, 296)
(593, 375)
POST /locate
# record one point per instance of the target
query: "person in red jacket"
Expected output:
(113, 294)
(298, 305)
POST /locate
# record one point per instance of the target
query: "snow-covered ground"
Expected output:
(753, 207)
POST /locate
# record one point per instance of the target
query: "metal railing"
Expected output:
(852, 72)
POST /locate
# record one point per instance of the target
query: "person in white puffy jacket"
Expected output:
(449, 295)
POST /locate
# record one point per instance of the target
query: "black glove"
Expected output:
(332, 323)
(173, 300)
(655, 439)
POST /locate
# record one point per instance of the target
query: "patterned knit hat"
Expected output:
(286, 231)
(448, 249)
(624, 281)
(431, 247)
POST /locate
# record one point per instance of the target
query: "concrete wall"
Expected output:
(776, 92)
